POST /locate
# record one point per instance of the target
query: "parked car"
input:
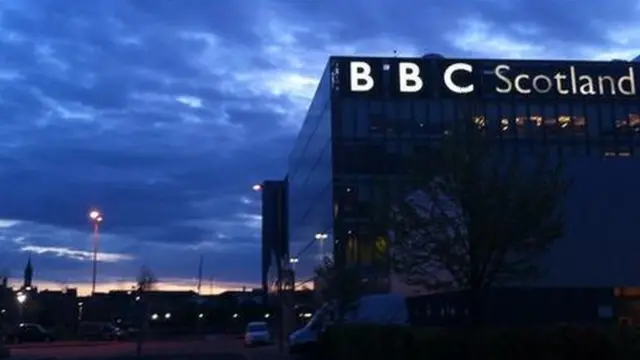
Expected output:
(29, 333)
(257, 333)
(100, 331)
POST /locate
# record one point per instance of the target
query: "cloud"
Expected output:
(76, 254)
(163, 114)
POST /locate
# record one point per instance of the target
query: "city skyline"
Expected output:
(164, 116)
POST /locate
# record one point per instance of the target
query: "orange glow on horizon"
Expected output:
(84, 288)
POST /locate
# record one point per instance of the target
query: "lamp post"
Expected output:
(95, 217)
(321, 237)
(293, 261)
(21, 297)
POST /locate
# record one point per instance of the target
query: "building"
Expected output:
(275, 244)
(28, 276)
(369, 115)
(58, 310)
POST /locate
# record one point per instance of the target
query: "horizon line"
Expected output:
(84, 287)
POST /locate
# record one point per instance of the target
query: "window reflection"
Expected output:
(381, 139)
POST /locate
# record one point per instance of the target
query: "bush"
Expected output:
(348, 342)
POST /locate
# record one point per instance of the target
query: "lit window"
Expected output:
(537, 120)
(634, 121)
(579, 121)
(564, 121)
(480, 121)
(504, 124)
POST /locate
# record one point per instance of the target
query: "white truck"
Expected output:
(389, 309)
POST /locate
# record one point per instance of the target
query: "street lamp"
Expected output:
(21, 298)
(321, 237)
(257, 187)
(293, 261)
(95, 217)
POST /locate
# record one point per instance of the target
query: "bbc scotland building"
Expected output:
(369, 115)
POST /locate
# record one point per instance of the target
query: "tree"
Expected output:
(146, 281)
(476, 219)
(340, 285)
(4, 277)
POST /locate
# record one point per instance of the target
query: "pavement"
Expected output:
(211, 348)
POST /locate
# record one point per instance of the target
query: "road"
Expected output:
(224, 347)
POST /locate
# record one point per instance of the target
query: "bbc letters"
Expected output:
(565, 79)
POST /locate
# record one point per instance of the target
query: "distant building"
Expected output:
(369, 116)
(28, 276)
(275, 243)
(57, 309)
(126, 306)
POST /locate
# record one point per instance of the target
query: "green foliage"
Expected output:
(479, 216)
(407, 343)
(341, 285)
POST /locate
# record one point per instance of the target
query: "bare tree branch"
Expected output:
(477, 218)
(146, 279)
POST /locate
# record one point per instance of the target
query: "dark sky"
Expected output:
(164, 113)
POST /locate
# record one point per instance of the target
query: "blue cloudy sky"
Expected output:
(163, 113)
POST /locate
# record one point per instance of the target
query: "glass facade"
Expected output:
(310, 179)
(274, 231)
(373, 136)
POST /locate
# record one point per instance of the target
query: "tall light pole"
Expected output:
(95, 217)
(21, 297)
(293, 261)
(321, 237)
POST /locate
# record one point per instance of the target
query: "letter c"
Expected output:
(518, 82)
(448, 78)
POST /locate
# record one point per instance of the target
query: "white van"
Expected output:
(388, 309)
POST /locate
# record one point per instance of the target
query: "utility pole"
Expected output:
(199, 286)
(95, 217)
(282, 306)
(199, 302)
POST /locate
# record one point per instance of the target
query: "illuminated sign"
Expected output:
(565, 82)
(494, 77)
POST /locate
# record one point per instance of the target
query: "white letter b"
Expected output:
(360, 75)
(409, 77)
